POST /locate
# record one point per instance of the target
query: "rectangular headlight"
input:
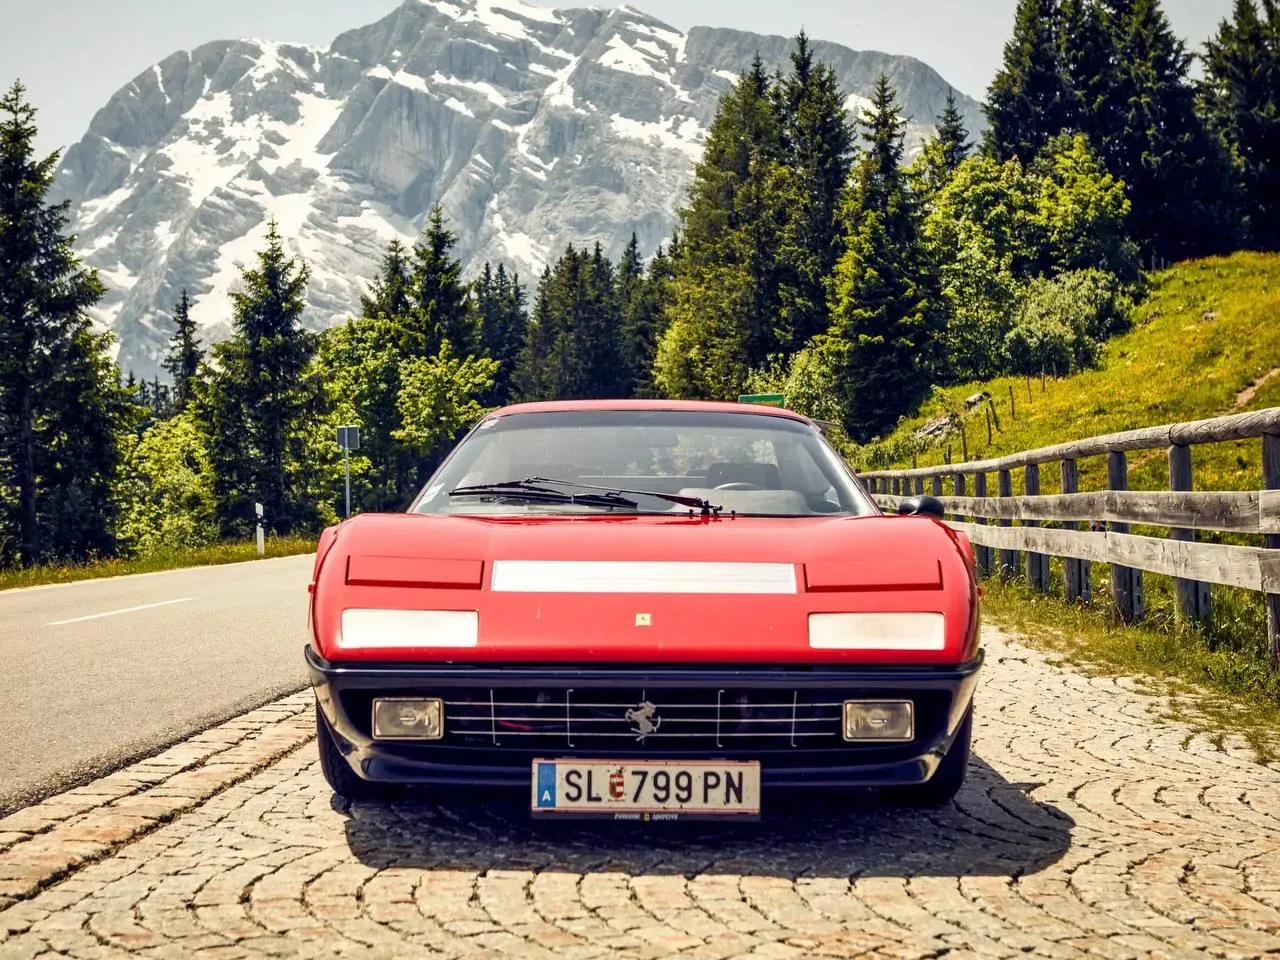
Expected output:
(408, 718)
(877, 631)
(373, 629)
(878, 720)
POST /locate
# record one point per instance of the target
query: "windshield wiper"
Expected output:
(698, 503)
(519, 490)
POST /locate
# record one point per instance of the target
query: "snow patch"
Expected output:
(165, 234)
(410, 80)
(451, 9)
(492, 93)
(559, 92)
(619, 55)
(678, 133)
(519, 246)
(92, 210)
(453, 103)
(118, 277)
(506, 17)
(857, 105)
(726, 75)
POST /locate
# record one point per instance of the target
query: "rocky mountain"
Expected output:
(533, 128)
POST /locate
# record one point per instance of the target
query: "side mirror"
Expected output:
(922, 506)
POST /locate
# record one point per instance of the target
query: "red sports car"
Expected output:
(645, 610)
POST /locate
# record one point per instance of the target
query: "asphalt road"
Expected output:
(98, 673)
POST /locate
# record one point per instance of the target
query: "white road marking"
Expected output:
(113, 613)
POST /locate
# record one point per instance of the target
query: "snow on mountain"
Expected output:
(533, 128)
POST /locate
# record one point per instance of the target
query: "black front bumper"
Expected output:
(474, 754)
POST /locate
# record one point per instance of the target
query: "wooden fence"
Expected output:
(1095, 525)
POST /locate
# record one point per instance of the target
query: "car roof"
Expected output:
(692, 406)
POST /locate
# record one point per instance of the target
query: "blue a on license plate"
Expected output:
(645, 789)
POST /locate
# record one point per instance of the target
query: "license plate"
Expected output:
(645, 789)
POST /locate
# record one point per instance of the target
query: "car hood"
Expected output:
(642, 587)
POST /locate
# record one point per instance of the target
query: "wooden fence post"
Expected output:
(1013, 409)
(984, 553)
(919, 482)
(1126, 583)
(958, 481)
(1037, 563)
(936, 485)
(897, 487)
(1008, 558)
(1075, 573)
(1193, 596)
(1271, 481)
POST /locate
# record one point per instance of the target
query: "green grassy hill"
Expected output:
(1206, 342)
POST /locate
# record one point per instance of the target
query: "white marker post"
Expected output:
(262, 542)
(348, 440)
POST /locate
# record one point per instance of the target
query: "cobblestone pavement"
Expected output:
(1088, 827)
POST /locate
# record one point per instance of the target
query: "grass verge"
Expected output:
(1218, 691)
(218, 553)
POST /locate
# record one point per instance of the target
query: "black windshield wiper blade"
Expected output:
(520, 490)
(698, 503)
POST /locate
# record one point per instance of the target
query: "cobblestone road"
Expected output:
(1088, 828)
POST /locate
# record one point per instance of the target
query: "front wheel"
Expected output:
(942, 787)
(337, 773)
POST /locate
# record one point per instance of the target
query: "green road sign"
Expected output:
(766, 399)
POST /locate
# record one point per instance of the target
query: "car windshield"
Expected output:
(620, 461)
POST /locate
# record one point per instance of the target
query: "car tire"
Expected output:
(337, 772)
(940, 789)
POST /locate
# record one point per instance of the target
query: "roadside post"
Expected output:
(260, 535)
(348, 440)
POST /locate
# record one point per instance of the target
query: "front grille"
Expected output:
(623, 720)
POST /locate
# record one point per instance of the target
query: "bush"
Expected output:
(166, 491)
(1061, 323)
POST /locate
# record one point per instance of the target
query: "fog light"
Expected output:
(878, 720)
(403, 718)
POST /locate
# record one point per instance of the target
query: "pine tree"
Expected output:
(1088, 56)
(1148, 134)
(531, 379)
(1241, 98)
(62, 409)
(439, 297)
(254, 405)
(730, 231)
(883, 323)
(953, 136)
(635, 354)
(819, 143)
(600, 330)
(182, 362)
(391, 293)
(1029, 102)
(942, 155)
(499, 314)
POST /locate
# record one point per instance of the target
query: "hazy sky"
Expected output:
(72, 55)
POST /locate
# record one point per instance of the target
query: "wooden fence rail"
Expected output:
(1095, 524)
